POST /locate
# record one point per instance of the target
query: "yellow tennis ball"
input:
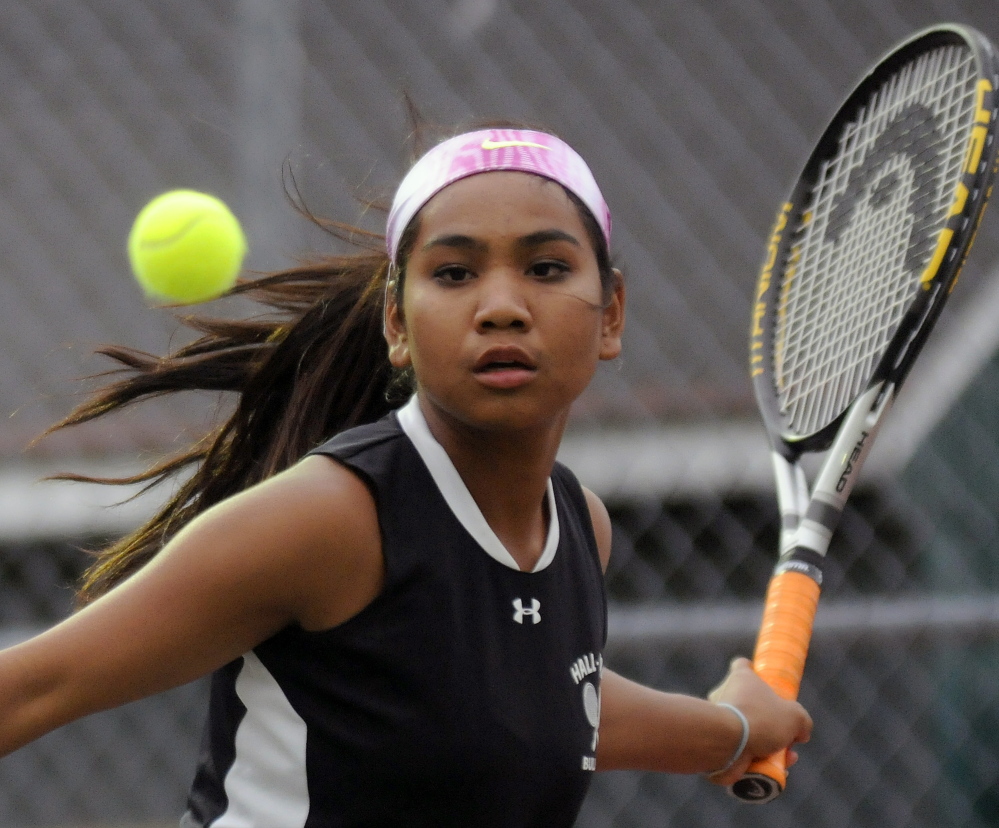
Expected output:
(186, 247)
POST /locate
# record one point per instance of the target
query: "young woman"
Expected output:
(403, 610)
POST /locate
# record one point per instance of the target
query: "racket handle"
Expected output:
(781, 648)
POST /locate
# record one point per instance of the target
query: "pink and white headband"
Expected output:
(489, 150)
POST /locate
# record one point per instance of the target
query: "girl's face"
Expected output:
(502, 318)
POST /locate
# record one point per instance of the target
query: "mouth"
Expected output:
(505, 368)
(504, 359)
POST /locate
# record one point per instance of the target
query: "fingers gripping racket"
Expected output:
(860, 261)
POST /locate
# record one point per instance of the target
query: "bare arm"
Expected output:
(646, 729)
(302, 547)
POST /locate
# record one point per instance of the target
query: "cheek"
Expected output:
(581, 318)
(429, 340)
(580, 341)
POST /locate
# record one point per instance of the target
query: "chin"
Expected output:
(504, 413)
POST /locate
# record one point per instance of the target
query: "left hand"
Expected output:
(774, 723)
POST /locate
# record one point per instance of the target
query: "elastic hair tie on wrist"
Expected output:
(742, 742)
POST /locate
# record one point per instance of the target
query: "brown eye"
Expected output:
(549, 270)
(453, 274)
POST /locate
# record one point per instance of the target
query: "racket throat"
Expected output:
(803, 560)
(805, 540)
(849, 451)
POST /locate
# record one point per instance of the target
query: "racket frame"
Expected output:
(944, 268)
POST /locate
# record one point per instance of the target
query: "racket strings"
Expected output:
(877, 207)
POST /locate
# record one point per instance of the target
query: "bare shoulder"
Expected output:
(315, 501)
(321, 485)
(311, 532)
(601, 525)
(330, 515)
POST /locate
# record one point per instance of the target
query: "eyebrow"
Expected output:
(462, 242)
(454, 240)
(544, 236)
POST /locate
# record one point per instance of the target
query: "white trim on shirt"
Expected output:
(460, 500)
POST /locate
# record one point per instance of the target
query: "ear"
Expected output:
(613, 320)
(395, 332)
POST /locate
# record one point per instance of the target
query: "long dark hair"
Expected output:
(312, 366)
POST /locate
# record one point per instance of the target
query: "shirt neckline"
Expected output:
(460, 500)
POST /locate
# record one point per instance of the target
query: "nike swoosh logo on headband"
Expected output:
(491, 145)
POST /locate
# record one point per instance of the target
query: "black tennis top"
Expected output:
(466, 694)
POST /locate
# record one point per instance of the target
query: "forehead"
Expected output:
(501, 202)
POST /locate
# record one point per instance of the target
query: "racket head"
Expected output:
(870, 241)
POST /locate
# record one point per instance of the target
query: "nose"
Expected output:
(502, 303)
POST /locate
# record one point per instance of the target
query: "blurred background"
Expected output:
(695, 116)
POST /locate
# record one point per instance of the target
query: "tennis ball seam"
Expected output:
(186, 247)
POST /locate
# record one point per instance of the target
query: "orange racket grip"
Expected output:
(781, 649)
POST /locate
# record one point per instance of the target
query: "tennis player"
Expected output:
(401, 605)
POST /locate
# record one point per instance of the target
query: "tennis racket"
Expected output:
(859, 264)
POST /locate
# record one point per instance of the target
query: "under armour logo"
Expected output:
(520, 611)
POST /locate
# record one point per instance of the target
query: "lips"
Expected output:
(504, 358)
(505, 368)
